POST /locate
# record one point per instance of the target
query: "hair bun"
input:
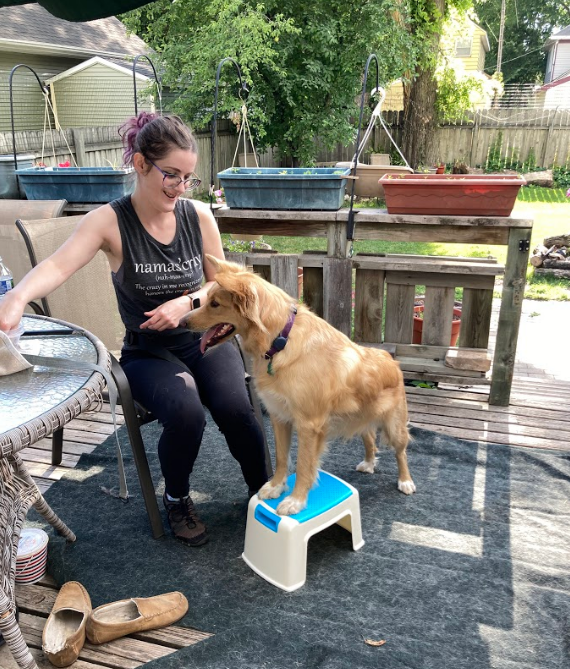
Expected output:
(129, 131)
(143, 118)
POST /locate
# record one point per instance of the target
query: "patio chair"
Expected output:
(82, 300)
(12, 248)
(88, 297)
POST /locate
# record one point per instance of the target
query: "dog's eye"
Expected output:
(214, 304)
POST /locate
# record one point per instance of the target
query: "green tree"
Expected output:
(303, 61)
(425, 24)
(528, 24)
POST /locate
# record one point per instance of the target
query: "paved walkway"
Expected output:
(542, 364)
(543, 349)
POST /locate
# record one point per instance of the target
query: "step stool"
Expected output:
(276, 546)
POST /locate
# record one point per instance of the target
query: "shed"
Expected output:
(31, 36)
(97, 92)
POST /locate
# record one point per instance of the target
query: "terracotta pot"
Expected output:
(440, 169)
(380, 159)
(451, 194)
(419, 326)
(246, 160)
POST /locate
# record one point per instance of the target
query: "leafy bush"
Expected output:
(561, 176)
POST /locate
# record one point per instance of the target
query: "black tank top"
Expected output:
(153, 273)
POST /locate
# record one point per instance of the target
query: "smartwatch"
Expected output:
(195, 303)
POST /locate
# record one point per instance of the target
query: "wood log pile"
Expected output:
(553, 257)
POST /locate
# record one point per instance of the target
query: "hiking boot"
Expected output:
(184, 521)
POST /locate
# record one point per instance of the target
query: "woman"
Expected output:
(155, 243)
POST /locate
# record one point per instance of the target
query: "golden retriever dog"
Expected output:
(310, 377)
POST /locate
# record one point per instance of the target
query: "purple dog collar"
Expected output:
(279, 343)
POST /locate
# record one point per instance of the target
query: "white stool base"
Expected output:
(276, 546)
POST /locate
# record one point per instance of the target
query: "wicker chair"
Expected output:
(83, 299)
(18, 493)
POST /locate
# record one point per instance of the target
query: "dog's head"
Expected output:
(232, 307)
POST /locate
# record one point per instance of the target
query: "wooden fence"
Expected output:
(539, 135)
(528, 135)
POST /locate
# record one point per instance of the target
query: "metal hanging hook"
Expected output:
(158, 84)
(244, 89)
(44, 91)
(350, 221)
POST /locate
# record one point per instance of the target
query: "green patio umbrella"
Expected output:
(88, 10)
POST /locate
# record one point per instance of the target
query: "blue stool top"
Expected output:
(327, 492)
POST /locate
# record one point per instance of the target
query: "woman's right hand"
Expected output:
(11, 311)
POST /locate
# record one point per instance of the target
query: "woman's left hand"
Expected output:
(168, 315)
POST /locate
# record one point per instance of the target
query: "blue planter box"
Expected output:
(284, 188)
(76, 184)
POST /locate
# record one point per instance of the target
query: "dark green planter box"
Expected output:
(76, 184)
(284, 188)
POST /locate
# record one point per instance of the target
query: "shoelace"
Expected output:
(184, 510)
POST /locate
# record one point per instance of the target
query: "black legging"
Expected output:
(176, 399)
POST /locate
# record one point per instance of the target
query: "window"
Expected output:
(463, 46)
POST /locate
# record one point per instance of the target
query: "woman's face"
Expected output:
(158, 176)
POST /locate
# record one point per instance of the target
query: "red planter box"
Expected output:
(451, 194)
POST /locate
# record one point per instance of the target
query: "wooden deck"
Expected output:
(537, 417)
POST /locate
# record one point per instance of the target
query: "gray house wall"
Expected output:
(28, 100)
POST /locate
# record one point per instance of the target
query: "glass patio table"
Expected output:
(34, 404)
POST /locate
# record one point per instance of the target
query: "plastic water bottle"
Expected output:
(6, 279)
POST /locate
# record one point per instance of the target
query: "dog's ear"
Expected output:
(223, 265)
(244, 295)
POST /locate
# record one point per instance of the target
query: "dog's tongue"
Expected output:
(205, 338)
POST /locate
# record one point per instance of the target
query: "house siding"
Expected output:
(557, 96)
(481, 58)
(562, 59)
(96, 96)
(28, 100)
(475, 62)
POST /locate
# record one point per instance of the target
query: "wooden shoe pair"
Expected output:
(72, 619)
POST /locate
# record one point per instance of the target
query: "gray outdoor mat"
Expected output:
(471, 571)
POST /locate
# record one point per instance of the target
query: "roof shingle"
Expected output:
(33, 24)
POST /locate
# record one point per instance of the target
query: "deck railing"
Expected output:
(371, 299)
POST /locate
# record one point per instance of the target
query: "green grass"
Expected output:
(538, 194)
(551, 211)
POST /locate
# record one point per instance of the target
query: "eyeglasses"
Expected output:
(173, 180)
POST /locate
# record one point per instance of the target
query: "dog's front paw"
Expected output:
(366, 467)
(290, 506)
(407, 487)
(270, 491)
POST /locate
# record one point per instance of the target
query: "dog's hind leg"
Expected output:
(312, 443)
(396, 432)
(367, 465)
(276, 486)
